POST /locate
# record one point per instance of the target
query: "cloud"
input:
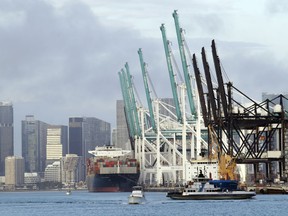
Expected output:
(58, 62)
(275, 7)
(61, 54)
(61, 59)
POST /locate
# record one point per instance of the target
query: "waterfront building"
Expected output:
(34, 139)
(2, 180)
(53, 172)
(57, 143)
(6, 133)
(31, 178)
(71, 169)
(14, 172)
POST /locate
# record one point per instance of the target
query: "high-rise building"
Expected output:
(122, 135)
(34, 139)
(114, 137)
(6, 134)
(85, 133)
(57, 143)
(14, 171)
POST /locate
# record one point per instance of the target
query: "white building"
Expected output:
(14, 171)
(57, 143)
(53, 172)
(31, 178)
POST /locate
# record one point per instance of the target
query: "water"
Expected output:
(54, 203)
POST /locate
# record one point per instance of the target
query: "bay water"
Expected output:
(57, 203)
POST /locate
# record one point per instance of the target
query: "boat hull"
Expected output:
(213, 195)
(135, 200)
(270, 190)
(111, 182)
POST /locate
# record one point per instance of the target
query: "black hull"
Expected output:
(212, 196)
(112, 182)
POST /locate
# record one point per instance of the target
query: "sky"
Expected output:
(61, 58)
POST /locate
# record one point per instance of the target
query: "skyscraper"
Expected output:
(14, 171)
(57, 143)
(122, 136)
(85, 133)
(6, 134)
(34, 139)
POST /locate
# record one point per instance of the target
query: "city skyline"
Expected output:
(18, 151)
(43, 143)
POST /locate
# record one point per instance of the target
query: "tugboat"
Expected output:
(206, 189)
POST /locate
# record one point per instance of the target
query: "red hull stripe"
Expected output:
(107, 189)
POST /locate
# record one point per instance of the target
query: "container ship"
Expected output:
(111, 170)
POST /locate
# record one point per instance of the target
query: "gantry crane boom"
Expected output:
(220, 80)
(127, 106)
(171, 73)
(200, 90)
(147, 89)
(211, 96)
(184, 63)
(133, 103)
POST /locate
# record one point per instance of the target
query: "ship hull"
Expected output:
(234, 195)
(112, 182)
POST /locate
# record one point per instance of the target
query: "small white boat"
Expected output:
(137, 196)
(68, 192)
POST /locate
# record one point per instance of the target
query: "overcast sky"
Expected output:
(60, 58)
